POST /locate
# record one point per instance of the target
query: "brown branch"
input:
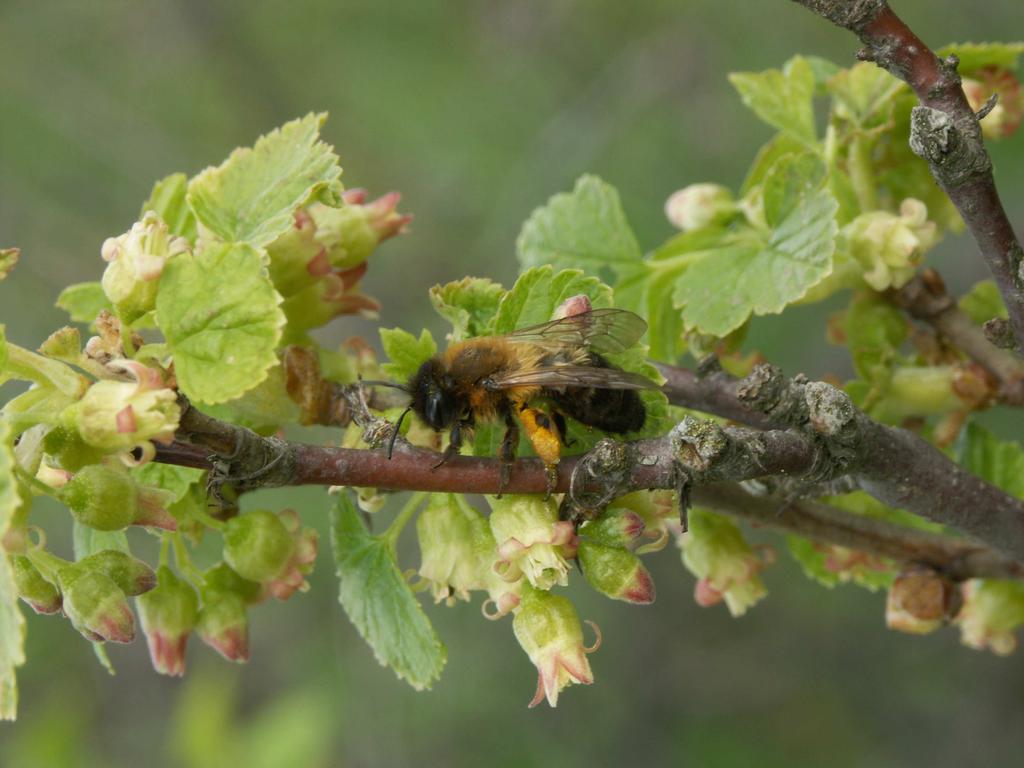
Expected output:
(704, 453)
(945, 132)
(925, 298)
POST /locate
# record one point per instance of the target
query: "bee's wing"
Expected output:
(574, 376)
(602, 330)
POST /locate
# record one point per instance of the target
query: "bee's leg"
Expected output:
(507, 452)
(455, 440)
(544, 438)
(563, 430)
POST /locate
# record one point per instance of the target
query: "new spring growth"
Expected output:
(531, 540)
(700, 205)
(223, 622)
(168, 614)
(106, 497)
(96, 606)
(726, 566)
(136, 260)
(550, 632)
(456, 547)
(1005, 117)
(887, 246)
(33, 587)
(118, 416)
(992, 612)
(257, 545)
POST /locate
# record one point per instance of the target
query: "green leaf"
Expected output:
(168, 200)
(3, 352)
(824, 70)
(12, 623)
(782, 99)
(874, 331)
(648, 292)
(539, 291)
(252, 195)
(1001, 462)
(265, 408)
(405, 351)
(219, 313)
(585, 228)
(767, 156)
(380, 603)
(975, 56)
(176, 480)
(83, 301)
(468, 304)
(750, 271)
(983, 302)
(8, 260)
(864, 94)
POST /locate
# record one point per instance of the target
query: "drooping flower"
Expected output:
(456, 546)
(96, 606)
(549, 630)
(991, 613)
(168, 614)
(889, 247)
(531, 540)
(615, 572)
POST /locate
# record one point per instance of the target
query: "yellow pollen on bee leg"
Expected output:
(543, 435)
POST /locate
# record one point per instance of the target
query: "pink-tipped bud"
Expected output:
(224, 624)
(574, 305)
(617, 527)
(615, 572)
(1005, 117)
(33, 588)
(96, 605)
(168, 614)
(132, 576)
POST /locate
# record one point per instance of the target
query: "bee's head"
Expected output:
(432, 397)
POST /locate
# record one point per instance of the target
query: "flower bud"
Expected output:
(574, 305)
(257, 545)
(531, 540)
(332, 295)
(168, 614)
(550, 632)
(456, 547)
(616, 527)
(919, 601)
(33, 588)
(131, 575)
(292, 577)
(1005, 117)
(351, 233)
(106, 497)
(700, 205)
(616, 572)
(120, 415)
(889, 247)
(222, 579)
(102, 496)
(726, 567)
(223, 624)
(96, 605)
(991, 613)
(136, 260)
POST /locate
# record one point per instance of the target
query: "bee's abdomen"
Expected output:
(610, 410)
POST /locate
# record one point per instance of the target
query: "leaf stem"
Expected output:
(404, 515)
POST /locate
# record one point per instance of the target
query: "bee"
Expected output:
(499, 377)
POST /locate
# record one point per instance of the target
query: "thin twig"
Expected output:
(944, 131)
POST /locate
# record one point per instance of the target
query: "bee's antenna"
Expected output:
(394, 434)
(377, 383)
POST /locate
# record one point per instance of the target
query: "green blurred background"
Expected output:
(477, 111)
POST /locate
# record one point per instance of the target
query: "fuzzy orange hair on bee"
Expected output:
(561, 362)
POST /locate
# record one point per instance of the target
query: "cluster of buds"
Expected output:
(93, 593)
(106, 497)
(991, 613)
(851, 564)
(531, 540)
(119, 416)
(700, 205)
(274, 551)
(136, 260)
(726, 566)
(1005, 117)
(316, 266)
(889, 247)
